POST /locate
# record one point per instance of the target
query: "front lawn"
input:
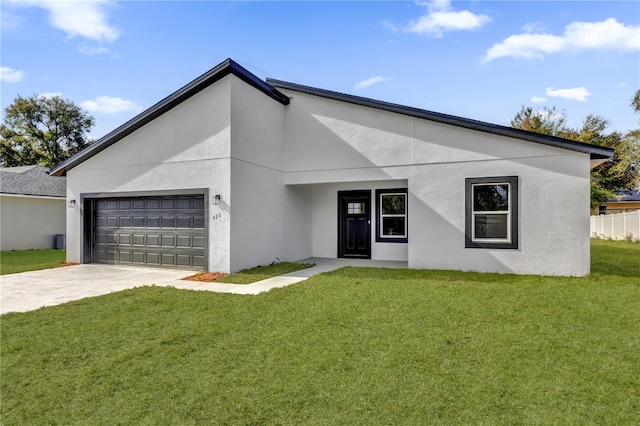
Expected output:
(30, 260)
(354, 346)
(260, 273)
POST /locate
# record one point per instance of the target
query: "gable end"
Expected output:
(205, 80)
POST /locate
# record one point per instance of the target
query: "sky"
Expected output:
(482, 60)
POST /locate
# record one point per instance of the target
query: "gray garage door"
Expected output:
(150, 231)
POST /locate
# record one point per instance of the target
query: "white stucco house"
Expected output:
(32, 208)
(231, 172)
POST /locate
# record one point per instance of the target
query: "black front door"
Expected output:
(354, 224)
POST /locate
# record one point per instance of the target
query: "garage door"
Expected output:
(150, 231)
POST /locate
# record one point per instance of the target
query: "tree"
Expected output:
(42, 130)
(547, 121)
(635, 102)
(619, 173)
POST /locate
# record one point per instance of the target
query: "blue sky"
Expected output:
(476, 59)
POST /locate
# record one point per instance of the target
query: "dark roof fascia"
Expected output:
(218, 72)
(595, 152)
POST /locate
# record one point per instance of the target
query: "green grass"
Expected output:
(30, 260)
(354, 346)
(619, 258)
(260, 273)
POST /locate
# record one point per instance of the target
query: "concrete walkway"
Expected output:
(28, 291)
(321, 265)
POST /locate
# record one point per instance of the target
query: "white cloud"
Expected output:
(9, 75)
(608, 34)
(87, 49)
(442, 18)
(109, 105)
(538, 99)
(533, 27)
(369, 82)
(576, 93)
(548, 114)
(621, 85)
(50, 94)
(79, 18)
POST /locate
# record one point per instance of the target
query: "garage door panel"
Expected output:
(198, 241)
(185, 222)
(153, 240)
(198, 261)
(185, 203)
(168, 222)
(163, 231)
(198, 222)
(183, 241)
(100, 255)
(153, 258)
(153, 203)
(168, 203)
(168, 241)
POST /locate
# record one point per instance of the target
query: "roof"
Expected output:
(628, 195)
(31, 180)
(270, 88)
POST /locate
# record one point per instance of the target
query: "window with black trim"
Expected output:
(491, 212)
(391, 215)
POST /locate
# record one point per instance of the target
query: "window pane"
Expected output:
(355, 208)
(491, 226)
(393, 203)
(491, 198)
(393, 226)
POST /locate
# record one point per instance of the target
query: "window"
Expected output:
(391, 212)
(491, 211)
(355, 208)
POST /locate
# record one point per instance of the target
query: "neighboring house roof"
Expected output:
(627, 195)
(31, 180)
(597, 154)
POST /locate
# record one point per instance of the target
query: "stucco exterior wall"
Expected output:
(30, 222)
(257, 189)
(330, 141)
(186, 148)
(325, 224)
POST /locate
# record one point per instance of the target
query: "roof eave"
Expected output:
(596, 153)
(218, 72)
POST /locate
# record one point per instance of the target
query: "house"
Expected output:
(32, 208)
(626, 201)
(231, 171)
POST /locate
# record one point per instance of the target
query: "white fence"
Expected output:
(617, 226)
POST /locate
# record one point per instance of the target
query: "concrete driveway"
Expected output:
(27, 291)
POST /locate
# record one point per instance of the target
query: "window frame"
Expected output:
(380, 238)
(511, 242)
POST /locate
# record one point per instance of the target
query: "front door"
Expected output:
(354, 224)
